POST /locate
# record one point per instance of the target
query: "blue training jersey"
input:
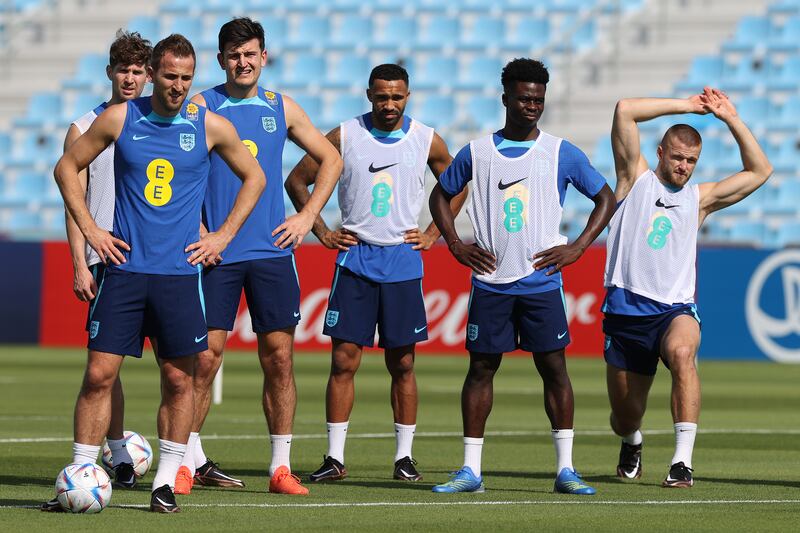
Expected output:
(383, 264)
(573, 168)
(261, 124)
(160, 173)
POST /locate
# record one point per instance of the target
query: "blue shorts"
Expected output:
(633, 343)
(356, 305)
(499, 323)
(97, 273)
(271, 287)
(130, 305)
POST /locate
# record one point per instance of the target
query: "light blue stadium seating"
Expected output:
(275, 31)
(485, 32)
(786, 199)
(435, 110)
(43, 108)
(778, 7)
(350, 70)
(483, 113)
(529, 32)
(440, 31)
(91, 73)
(311, 104)
(305, 67)
(310, 30)
(148, 27)
(785, 117)
(705, 70)
(785, 76)
(752, 31)
(24, 220)
(352, 30)
(788, 234)
(28, 186)
(481, 72)
(437, 72)
(343, 107)
(397, 31)
(750, 232)
(787, 39)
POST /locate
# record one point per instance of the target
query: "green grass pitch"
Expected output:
(747, 455)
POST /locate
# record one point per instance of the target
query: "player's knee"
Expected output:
(481, 371)
(175, 380)
(682, 359)
(206, 366)
(278, 363)
(98, 379)
(402, 367)
(344, 362)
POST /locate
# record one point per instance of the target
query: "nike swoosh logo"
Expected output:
(562, 335)
(296, 314)
(129, 480)
(373, 168)
(659, 203)
(139, 138)
(423, 328)
(325, 472)
(503, 186)
(162, 502)
(198, 339)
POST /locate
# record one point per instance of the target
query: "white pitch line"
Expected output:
(435, 434)
(448, 504)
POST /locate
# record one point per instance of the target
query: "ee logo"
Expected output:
(159, 173)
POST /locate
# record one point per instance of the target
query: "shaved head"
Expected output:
(684, 133)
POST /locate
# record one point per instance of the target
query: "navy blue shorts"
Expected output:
(271, 287)
(129, 306)
(500, 323)
(633, 343)
(356, 305)
(97, 273)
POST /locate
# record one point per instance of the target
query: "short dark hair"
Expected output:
(388, 72)
(684, 133)
(129, 48)
(239, 30)
(525, 70)
(175, 43)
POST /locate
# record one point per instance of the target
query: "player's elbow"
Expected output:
(623, 108)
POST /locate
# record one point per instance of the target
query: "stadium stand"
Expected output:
(321, 54)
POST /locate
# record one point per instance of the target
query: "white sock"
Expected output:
(170, 455)
(634, 439)
(337, 433)
(405, 438)
(84, 453)
(119, 453)
(685, 432)
(472, 454)
(188, 457)
(562, 439)
(199, 455)
(281, 447)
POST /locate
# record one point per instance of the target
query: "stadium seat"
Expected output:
(529, 32)
(784, 117)
(396, 32)
(787, 39)
(43, 108)
(482, 113)
(482, 72)
(786, 76)
(779, 7)
(743, 76)
(91, 73)
(752, 109)
(435, 111)
(343, 107)
(24, 220)
(28, 187)
(310, 30)
(603, 158)
(486, 32)
(786, 200)
(310, 104)
(752, 31)
(440, 31)
(274, 31)
(351, 70)
(305, 67)
(750, 232)
(705, 70)
(189, 27)
(787, 156)
(37, 147)
(148, 27)
(437, 72)
(788, 234)
(352, 30)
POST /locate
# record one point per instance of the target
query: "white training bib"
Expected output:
(514, 206)
(652, 241)
(382, 187)
(100, 187)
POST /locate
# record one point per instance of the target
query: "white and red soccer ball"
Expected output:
(83, 488)
(139, 450)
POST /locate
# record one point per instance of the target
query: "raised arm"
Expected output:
(83, 283)
(628, 159)
(221, 136)
(104, 130)
(329, 167)
(756, 167)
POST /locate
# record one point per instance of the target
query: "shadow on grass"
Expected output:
(27, 503)
(27, 480)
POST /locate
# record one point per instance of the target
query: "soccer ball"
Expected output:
(139, 450)
(83, 488)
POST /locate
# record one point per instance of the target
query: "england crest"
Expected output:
(94, 329)
(409, 159)
(472, 331)
(331, 318)
(187, 141)
(269, 124)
